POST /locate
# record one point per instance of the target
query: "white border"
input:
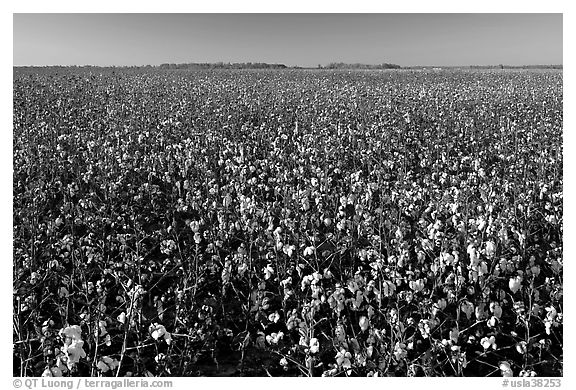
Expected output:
(298, 6)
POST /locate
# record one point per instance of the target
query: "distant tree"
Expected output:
(342, 65)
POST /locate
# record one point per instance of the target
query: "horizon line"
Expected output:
(280, 64)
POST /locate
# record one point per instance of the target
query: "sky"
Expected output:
(290, 39)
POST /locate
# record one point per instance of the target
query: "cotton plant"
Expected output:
(338, 238)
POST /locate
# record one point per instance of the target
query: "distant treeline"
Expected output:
(263, 65)
(224, 65)
(342, 65)
(516, 67)
(217, 65)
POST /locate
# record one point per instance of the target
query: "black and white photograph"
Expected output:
(287, 195)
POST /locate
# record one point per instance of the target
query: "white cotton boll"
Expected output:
(481, 223)
(277, 231)
(467, 307)
(515, 284)
(309, 251)
(492, 322)
(505, 369)
(454, 208)
(289, 250)
(490, 249)
(447, 258)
